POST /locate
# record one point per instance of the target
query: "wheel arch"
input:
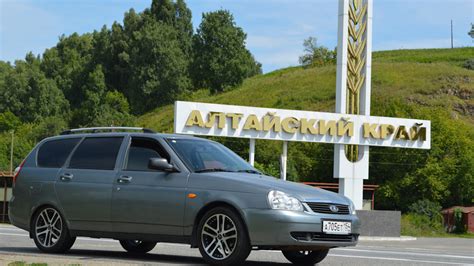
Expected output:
(208, 207)
(39, 207)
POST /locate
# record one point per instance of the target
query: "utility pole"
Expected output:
(5, 184)
(452, 44)
(11, 152)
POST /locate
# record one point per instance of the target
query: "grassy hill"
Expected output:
(425, 84)
(429, 77)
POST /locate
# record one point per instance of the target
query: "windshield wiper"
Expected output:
(212, 170)
(250, 171)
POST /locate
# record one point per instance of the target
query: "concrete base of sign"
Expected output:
(379, 223)
(387, 238)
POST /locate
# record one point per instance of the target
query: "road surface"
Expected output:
(15, 245)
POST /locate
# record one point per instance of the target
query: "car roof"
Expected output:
(123, 134)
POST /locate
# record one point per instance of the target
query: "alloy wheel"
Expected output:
(219, 236)
(48, 227)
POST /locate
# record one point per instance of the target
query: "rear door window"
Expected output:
(96, 153)
(54, 153)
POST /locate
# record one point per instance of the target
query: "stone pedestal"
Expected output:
(379, 223)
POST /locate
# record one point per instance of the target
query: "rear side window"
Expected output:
(96, 153)
(54, 153)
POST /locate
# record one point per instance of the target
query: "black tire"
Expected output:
(137, 246)
(309, 257)
(42, 230)
(238, 247)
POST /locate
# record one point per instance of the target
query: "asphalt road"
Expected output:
(15, 245)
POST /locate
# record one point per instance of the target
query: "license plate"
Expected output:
(336, 227)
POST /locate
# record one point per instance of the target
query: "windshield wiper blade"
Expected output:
(212, 170)
(250, 171)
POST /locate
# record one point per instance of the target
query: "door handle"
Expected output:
(124, 179)
(66, 177)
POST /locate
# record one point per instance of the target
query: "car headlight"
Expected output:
(281, 201)
(352, 207)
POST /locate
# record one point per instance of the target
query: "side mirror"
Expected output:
(161, 164)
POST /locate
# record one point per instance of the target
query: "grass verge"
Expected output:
(421, 226)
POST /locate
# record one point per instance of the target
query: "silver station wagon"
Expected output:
(140, 188)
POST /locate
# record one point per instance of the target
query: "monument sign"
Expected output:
(351, 129)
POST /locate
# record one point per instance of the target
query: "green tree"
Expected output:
(68, 64)
(104, 54)
(148, 57)
(177, 15)
(316, 55)
(46, 127)
(116, 56)
(114, 111)
(221, 59)
(95, 89)
(164, 11)
(184, 26)
(5, 70)
(101, 107)
(159, 68)
(8, 121)
(442, 174)
(28, 94)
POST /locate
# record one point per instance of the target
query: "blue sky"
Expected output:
(275, 28)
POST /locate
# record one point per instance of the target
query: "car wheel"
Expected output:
(222, 237)
(50, 231)
(137, 246)
(305, 257)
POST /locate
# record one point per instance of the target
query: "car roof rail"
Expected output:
(101, 129)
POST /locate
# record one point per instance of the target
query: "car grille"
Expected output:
(313, 236)
(325, 208)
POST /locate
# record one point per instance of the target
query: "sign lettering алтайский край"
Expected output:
(293, 125)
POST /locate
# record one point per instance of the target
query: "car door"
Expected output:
(84, 187)
(146, 200)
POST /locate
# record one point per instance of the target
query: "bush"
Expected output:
(424, 218)
(459, 227)
(8, 121)
(270, 169)
(469, 64)
(316, 55)
(420, 225)
(427, 208)
(47, 127)
(22, 146)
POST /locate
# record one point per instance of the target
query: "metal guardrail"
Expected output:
(5, 176)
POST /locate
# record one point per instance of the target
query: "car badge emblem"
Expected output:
(333, 208)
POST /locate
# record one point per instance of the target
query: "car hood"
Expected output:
(302, 192)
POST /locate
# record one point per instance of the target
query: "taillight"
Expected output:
(17, 171)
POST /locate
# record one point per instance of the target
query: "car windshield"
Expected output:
(206, 156)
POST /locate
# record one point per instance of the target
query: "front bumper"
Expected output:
(287, 229)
